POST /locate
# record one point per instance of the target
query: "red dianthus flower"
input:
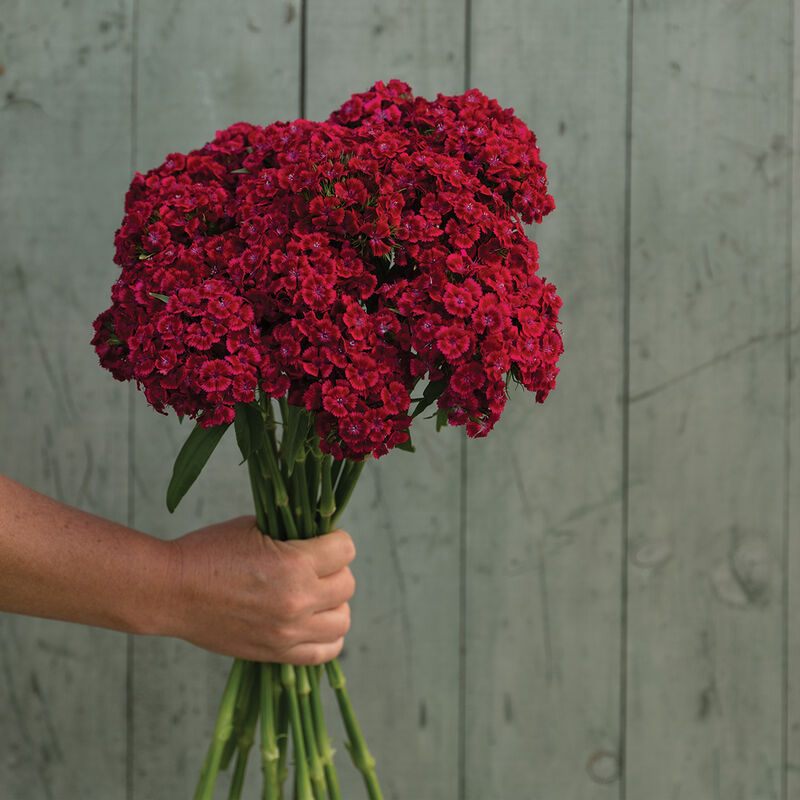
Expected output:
(338, 263)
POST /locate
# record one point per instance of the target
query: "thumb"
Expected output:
(328, 553)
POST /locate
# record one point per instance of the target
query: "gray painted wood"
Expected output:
(64, 127)
(85, 92)
(352, 44)
(544, 493)
(707, 391)
(188, 87)
(401, 657)
(792, 774)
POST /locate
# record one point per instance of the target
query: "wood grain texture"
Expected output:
(540, 702)
(200, 68)
(64, 114)
(353, 43)
(707, 414)
(401, 656)
(792, 732)
(544, 493)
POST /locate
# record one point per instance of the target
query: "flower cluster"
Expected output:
(340, 263)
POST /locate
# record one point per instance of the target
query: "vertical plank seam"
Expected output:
(467, 45)
(462, 623)
(303, 55)
(462, 534)
(626, 383)
(131, 511)
(787, 448)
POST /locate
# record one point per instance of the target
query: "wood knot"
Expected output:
(603, 767)
(652, 553)
(745, 577)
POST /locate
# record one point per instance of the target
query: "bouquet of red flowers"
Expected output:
(300, 281)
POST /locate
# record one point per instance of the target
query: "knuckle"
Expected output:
(329, 651)
(295, 559)
(294, 604)
(283, 636)
(349, 547)
(349, 584)
(317, 655)
(345, 619)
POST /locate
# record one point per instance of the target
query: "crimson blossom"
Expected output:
(338, 264)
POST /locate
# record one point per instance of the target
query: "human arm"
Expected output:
(226, 587)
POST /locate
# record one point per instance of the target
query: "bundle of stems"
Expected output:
(299, 492)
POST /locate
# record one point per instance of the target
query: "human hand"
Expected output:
(237, 592)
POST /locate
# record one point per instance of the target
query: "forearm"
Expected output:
(62, 563)
(225, 587)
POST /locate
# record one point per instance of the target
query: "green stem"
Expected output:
(259, 498)
(315, 472)
(237, 718)
(315, 770)
(246, 730)
(296, 504)
(306, 519)
(290, 697)
(237, 782)
(269, 740)
(357, 747)
(323, 742)
(290, 423)
(271, 423)
(336, 469)
(281, 495)
(266, 519)
(272, 519)
(242, 710)
(303, 785)
(327, 504)
(282, 716)
(222, 732)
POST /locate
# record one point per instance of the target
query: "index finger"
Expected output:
(330, 552)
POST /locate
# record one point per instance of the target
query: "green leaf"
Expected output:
(249, 427)
(159, 296)
(407, 446)
(241, 428)
(431, 393)
(240, 171)
(441, 419)
(190, 461)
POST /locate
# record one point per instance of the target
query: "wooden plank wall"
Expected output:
(65, 130)
(708, 361)
(791, 549)
(544, 490)
(600, 600)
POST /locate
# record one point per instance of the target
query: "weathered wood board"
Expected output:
(65, 134)
(401, 657)
(708, 235)
(600, 600)
(792, 549)
(199, 68)
(544, 498)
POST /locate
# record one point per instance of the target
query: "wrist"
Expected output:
(150, 609)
